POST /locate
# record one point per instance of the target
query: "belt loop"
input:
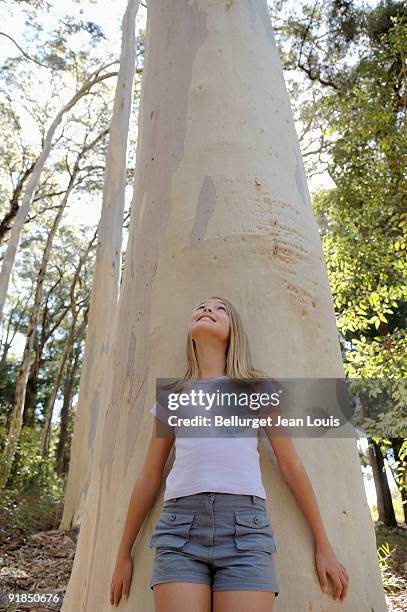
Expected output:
(253, 499)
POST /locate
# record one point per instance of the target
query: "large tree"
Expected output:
(106, 280)
(220, 206)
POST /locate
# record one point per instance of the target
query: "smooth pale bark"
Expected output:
(221, 207)
(32, 183)
(106, 280)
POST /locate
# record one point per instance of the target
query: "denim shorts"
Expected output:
(220, 539)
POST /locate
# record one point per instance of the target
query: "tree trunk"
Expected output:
(15, 198)
(106, 281)
(221, 207)
(377, 480)
(46, 432)
(400, 473)
(47, 329)
(49, 411)
(63, 445)
(30, 399)
(384, 500)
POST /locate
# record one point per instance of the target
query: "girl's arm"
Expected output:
(144, 492)
(298, 481)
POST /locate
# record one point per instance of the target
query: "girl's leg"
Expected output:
(243, 601)
(182, 597)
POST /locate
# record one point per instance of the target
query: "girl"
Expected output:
(214, 534)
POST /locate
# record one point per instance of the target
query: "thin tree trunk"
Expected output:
(377, 480)
(13, 325)
(63, 445)
(38, 348)
(5, 223)
(384, 501)
(32, 183)
(46, 431)
(21, 386)
(389, 515)
(221, 207)
(400, 473)
(30, 394)
(49, 411)
(60, 451)
(106, 281)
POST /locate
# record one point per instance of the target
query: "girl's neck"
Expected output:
(212, 377)
(211, 360)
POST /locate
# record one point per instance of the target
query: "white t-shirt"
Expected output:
(226, 465)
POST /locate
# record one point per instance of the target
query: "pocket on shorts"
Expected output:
(253, 531)
(172, 530)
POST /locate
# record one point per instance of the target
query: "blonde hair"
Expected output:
(238, 356)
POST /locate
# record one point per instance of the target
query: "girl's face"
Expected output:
(210, 318)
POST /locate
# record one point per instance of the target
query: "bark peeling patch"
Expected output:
(303, 296)
(206, 206)
(228, 6)
(290, 252)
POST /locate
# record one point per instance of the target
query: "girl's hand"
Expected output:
(121, 580)
(328, 565)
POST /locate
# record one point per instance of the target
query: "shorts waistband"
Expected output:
(231, 498)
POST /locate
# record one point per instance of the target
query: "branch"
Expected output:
(32, 59)
(316, 77)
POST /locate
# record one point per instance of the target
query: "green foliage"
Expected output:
(380, 21)
(23, 513)
(353, 104)
(363, 218)
(380, 409)
(33, 499)
(30, 472)
(8, 375)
